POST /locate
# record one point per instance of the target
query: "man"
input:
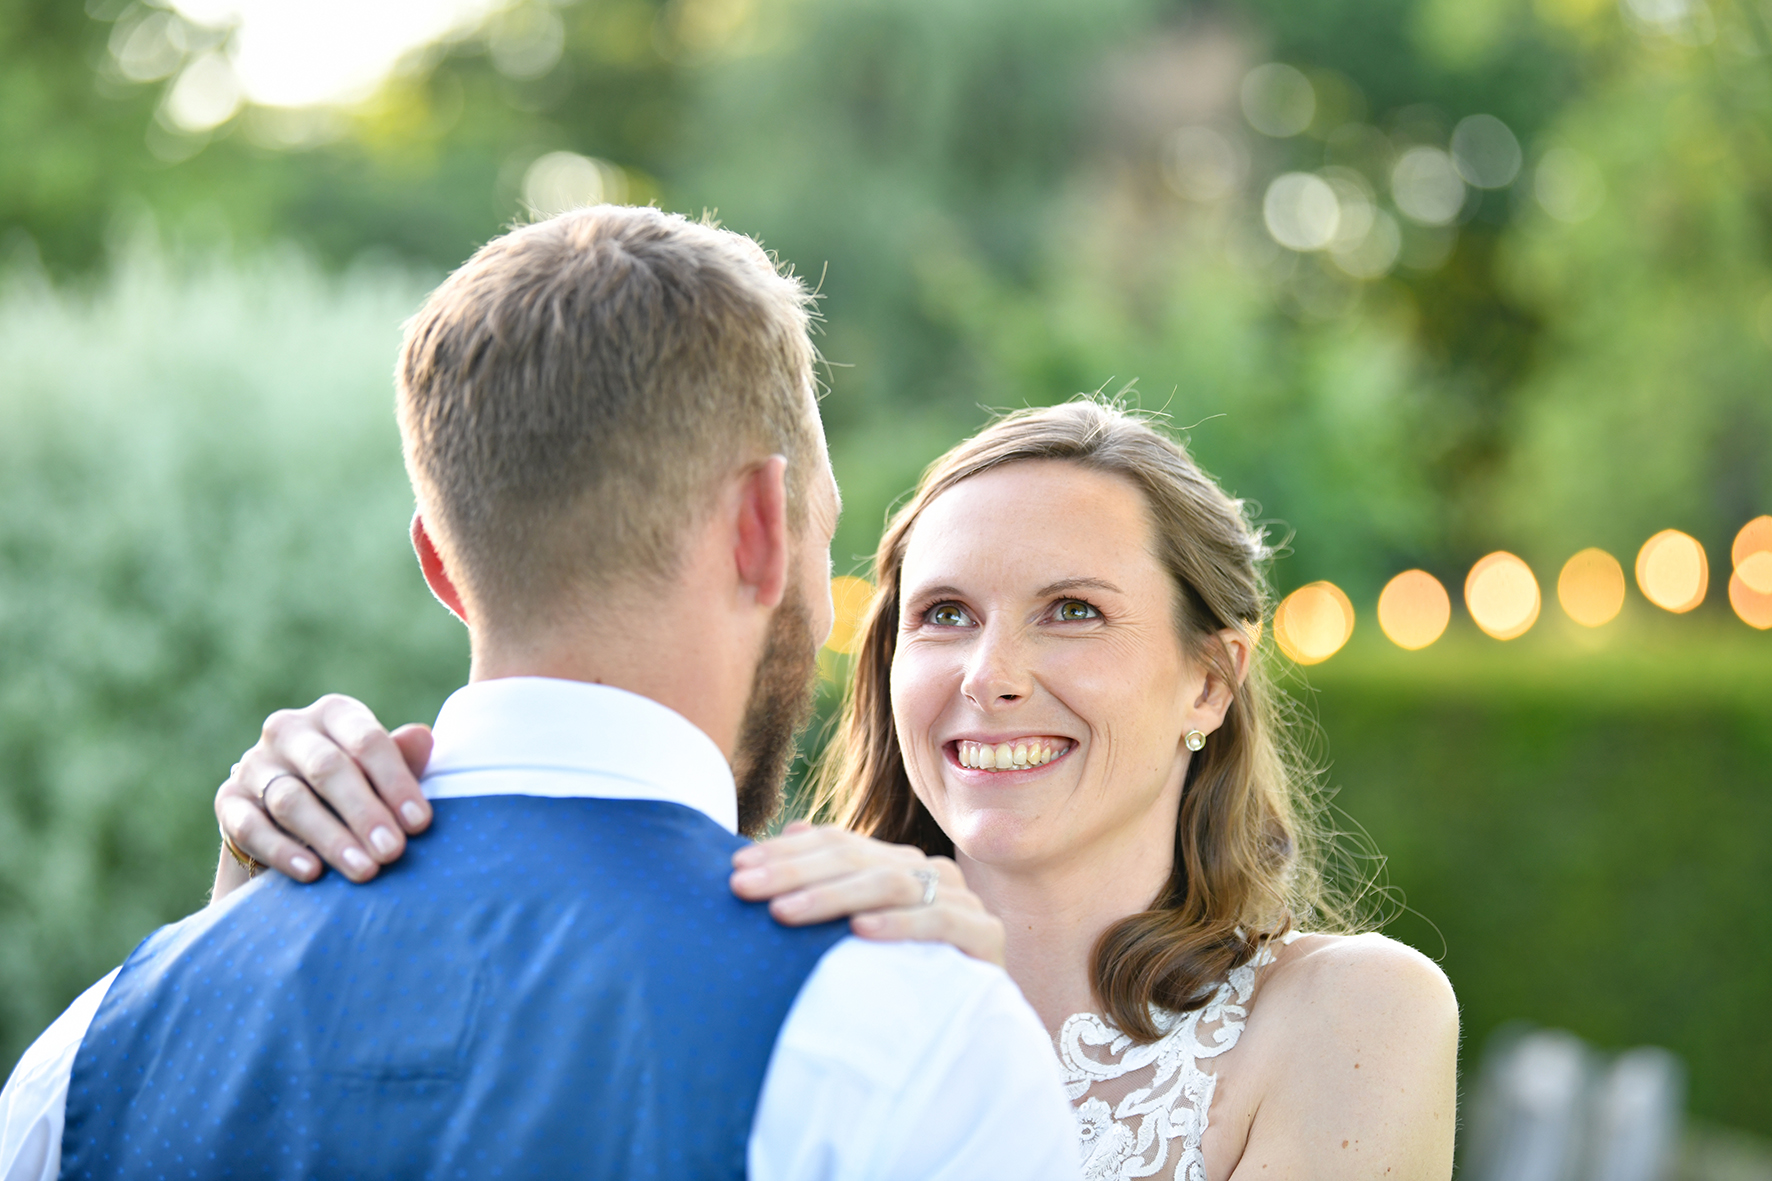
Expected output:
(623, 491)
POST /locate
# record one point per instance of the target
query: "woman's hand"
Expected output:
(326, 780)
(815, 874)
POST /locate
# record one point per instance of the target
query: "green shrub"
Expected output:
(204, 518)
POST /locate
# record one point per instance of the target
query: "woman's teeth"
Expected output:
(1011, 756)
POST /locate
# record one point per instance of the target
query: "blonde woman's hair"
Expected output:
(1245, 864)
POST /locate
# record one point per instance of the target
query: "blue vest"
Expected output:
(539, 988)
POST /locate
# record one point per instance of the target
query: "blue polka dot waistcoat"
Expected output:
(539, 988)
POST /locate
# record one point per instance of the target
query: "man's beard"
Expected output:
(780, 703)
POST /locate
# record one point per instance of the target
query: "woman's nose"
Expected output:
(996, 671)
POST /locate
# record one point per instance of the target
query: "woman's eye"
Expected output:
(947, 615)
(1075, 609)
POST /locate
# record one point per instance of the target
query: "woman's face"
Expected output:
(1040, 689)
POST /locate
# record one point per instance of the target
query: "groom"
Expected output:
(623, 491)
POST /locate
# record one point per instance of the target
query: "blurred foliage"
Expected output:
(205, 506)
(205, 518)
(979, 191)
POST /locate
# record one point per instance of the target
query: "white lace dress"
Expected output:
(1142, 1109)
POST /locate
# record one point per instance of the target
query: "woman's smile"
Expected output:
(1008, 754)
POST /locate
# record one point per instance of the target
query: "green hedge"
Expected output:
(1582, 837)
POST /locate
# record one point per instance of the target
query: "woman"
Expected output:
(1057, 688)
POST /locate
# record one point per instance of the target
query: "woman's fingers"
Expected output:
(253, 834)
(336, 748)
(880, 888)
(803, 855)
(977, 933)
(298, 810)
(415, 742)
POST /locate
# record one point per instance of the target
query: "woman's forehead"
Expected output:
(1041, 520)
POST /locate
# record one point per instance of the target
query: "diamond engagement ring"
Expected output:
(930, 880)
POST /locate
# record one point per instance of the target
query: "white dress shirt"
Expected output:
(897, 1060)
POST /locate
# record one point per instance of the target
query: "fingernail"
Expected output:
(356, 860)
(382, 838)
(302, 865)
(750, 877)
(412, 814)
(869, 922)
(792, 904)
(749, 855)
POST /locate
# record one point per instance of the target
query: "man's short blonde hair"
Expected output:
(571, 397)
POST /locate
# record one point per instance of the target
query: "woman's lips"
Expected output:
(1014, 754)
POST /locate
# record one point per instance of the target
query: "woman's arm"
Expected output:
(1358, 1071)
(330, 780)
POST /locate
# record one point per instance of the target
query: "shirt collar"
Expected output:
(541, 736)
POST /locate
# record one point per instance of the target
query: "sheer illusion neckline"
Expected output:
(1142, 1110)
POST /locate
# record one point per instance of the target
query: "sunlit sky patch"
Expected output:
(293, 53)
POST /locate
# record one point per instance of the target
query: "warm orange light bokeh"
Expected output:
(1756, 571)
(1754, 606)
(850, 596)
(1750, 587)
(1755, 537)
(1413, 609)
(1591, 587)
(1502, 595)
(1672, 571)
(1313, 622)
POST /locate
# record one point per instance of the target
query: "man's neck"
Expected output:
(670, 653)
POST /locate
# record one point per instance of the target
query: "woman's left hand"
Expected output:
(812, 874)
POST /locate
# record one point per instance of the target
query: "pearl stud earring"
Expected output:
(1195, 740)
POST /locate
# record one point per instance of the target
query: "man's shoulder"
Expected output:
(883, 1008)
(909, 1060)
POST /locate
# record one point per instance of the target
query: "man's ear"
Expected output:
(431, 562)
(762, 548)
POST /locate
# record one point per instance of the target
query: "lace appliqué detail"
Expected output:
(1142, 1109)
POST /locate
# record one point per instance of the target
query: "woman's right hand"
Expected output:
(327, 780)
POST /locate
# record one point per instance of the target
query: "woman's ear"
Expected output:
(431, 562)
(1226, 667)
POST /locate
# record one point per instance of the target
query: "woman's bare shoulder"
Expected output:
(1355, 976)
(1325, 996)
(1352, 1041)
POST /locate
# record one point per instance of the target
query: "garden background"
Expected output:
(1444, 340)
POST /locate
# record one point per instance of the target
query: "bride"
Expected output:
(1060, 752)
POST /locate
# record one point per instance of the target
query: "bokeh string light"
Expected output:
(1313, 622)
(1502, 596)
(1501, 593)
(1750, 586)
(1672, 571)
(850, 597)
(1414, 609)
(1591, 588)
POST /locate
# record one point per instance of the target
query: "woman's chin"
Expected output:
(1002, 838)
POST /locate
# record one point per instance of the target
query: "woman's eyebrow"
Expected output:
(936, 592)
(1071, 584)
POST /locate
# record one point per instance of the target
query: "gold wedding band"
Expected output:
(244, 860)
